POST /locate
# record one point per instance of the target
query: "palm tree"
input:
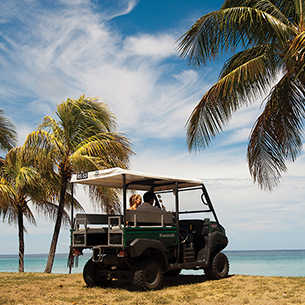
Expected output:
(82, 139)
(21, 184)
(270, 38)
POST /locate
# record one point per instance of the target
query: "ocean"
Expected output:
(265, 263)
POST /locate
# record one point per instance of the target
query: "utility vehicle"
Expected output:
(143, 246)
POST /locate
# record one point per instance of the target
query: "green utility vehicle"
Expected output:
(143, 246)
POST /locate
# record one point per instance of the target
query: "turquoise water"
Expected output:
(37, 263)
(265, 263)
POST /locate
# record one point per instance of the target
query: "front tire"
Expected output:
(147, 276)
(92, 275)
(218, 268)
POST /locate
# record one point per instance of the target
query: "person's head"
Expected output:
(149, 197)
(135, 199)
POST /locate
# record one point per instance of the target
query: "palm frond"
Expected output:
(98, 111)
(27, 213)
(276, 136)
(110, 149)
(8, 135)
(7, 194)
(296, 49)
(106, 199)
(26, 176)
(49, 210)
(271, 7)
(244, 77)
(82, 118)
(9, 215)
(295, 57)
(46, 146)
(226, 29)
(83, 163)
(255, 58)
(76, 204)
(50, 125)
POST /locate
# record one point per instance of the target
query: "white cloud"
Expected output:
(119, 8)
(150, 45)
(49, 86)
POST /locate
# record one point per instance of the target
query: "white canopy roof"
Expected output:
(113, 177)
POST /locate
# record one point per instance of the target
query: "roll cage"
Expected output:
(132, 180)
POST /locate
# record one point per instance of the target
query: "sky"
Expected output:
(125, 52)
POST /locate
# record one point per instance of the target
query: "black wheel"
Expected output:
(146, 275)
(92, 275)
(218, 268)
(174, 272)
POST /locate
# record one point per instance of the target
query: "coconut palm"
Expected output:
(270, 38)
(83, 138)
(20, 185)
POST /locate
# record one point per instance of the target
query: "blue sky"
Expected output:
(125, 52)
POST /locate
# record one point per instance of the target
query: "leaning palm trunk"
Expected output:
(21, 240)
(57, 226)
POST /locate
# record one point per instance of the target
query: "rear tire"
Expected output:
(218, 268)
(147, 275)
(92, 275)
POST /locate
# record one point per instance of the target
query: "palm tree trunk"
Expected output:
(21, 240)
(57, 225)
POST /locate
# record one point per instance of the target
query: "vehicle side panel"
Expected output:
(167, 235)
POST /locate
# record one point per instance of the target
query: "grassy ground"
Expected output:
(38, 288)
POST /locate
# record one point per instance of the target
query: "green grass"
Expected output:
(39, 288)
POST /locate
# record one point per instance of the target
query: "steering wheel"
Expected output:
(184, 235)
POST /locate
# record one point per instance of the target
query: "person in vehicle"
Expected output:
(149, 198)
(135, 201)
